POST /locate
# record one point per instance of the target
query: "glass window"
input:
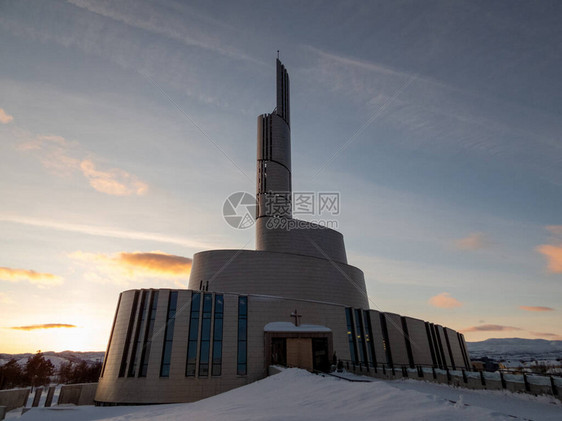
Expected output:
(369, 339)
(217, 336)
(242, 367)
(205, 335)
(351, 335)
(360, 335)
(193, 334)
(169, 335)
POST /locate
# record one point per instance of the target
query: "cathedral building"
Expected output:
(293, 301)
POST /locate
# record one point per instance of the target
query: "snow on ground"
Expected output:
(298, 395)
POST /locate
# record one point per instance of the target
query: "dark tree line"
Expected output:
(39, 371)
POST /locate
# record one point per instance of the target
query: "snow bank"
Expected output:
(298, 395)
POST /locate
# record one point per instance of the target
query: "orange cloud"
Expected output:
(474, 241)
(158, 262)
(490, 328)
(35, 278)
(444, 300)
(115, 181)
(44, 326)
(5, 118)
(138, 265)
(553, 255)
(538, 308)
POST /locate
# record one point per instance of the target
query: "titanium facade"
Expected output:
(294, 300)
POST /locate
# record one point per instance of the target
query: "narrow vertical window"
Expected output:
(193, 334)
(143, 368)
(169, 334)
(360, 332)
(369, 339)
(205, 344)
(351, 335)
(138, 338)
(217, 336)
(385, 340)
(242, 367)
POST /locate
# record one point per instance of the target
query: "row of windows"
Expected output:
(362, 347)
(205, 337)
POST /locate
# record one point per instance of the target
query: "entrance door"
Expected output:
(321, 359)
(279, 351)
(299, 353)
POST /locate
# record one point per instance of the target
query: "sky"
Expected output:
(124, 127)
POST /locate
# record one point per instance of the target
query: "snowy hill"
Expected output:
(57, 358)
(516, 349)
(298, 395)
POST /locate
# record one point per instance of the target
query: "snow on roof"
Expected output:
(289, 327)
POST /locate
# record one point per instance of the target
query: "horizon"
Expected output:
(125, 126)
(100, 351)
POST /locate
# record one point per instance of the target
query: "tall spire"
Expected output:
(283, 109)
(273, 190)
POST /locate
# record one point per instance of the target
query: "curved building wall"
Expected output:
(149, 355)
(279, 274)
(286, 235)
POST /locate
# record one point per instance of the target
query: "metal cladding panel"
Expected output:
(117, 345)
(281, 146)
(377, 338)
(274, 140)
(419, 342)
(280, 274)
(445, 347)
(300, 237)
(278, 178)
(397, 340)
(455, 348)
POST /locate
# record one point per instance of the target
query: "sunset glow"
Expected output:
(124, 127)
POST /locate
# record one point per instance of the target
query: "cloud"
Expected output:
(475, 241)
(538, 308)
(64, 158)
(35, 278)
(44, 326)
(490, 328)
(201, 30)
(115, 181)
(553, 251)
(552, 336)
(555, 229)
(5, 118)
(121, 267)
(107, 231)
(553, 255)
(444, 300)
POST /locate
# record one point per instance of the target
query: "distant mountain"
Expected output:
(57, 358)
(516, 349)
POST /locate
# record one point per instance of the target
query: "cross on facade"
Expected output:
(297, 317)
